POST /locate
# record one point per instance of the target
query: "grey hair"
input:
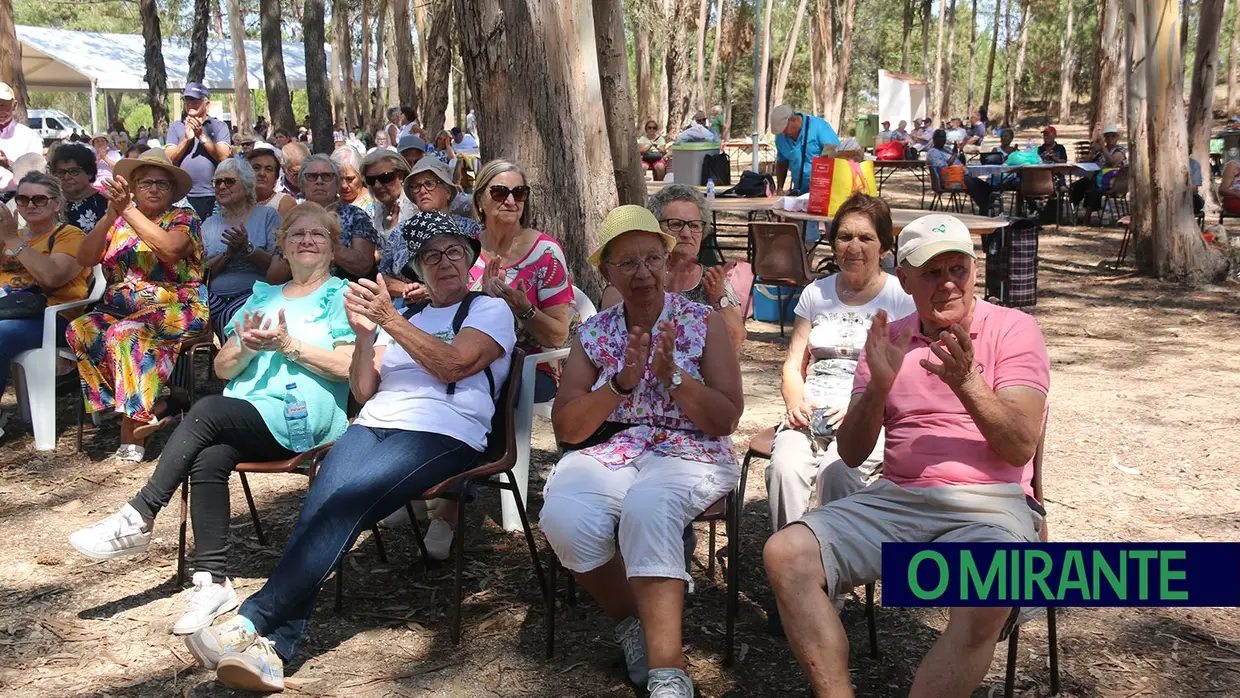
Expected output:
(381, 154)
(52, 185)
(347, 156)
(245, 174)
(312, 160)
(659, 200)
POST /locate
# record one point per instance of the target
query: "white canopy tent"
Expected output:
(900, 97)
(56, 60)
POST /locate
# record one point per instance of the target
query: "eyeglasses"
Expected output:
(319, 176)
(70, 172)
(430, 258)
(676, 225)
(427, 186)
(500, 193)
(36, 201)
(654, 263)
(223, 182)
(162, 185)
(384, 178)
(318, 236)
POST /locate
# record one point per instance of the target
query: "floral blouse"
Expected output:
(129, 261)
(659, 425)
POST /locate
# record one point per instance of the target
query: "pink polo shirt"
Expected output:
(931, 439)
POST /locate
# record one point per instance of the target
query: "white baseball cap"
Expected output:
(780, 116)
(1110, 128)
(932, 235)
(6, 92)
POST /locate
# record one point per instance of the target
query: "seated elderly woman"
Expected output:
(74, 165)
(266, 161)
(41, 258)
(352, 187)
(682, 212)
(294, 338)
(355, 255)
(650, 394)
(411, 434)
(832, 321)
(152, 256)
(239, 238)
(384, 171)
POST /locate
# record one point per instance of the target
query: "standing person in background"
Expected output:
(799, 138)
(261, 127)
(471, 122)
(463, 142)
(16, 139)
(105, 156)
(409, 123)
(716, 120)
(197, 144)
(392, 127)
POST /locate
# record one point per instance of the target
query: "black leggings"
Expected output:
(218, 433)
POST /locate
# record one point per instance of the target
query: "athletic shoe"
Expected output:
(438, 539)
(209, 645)
(129, 453)
(396, 519)
(120, 534)
(669, 683)
(258, 668)
(632, 641)
(207, 600)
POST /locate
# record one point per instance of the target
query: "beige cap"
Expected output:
(1110, 128)
(932, 235)
(6, 92)
(780, 116)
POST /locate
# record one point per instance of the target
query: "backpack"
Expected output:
(458, 320)
(717, 167)
(893, 150)
(751, 185)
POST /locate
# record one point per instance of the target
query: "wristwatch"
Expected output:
(674, 382)
(723, 302)
(249, 248)
(17, 250)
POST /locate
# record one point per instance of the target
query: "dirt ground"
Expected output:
(1141, 446)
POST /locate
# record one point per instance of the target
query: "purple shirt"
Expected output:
(199, 164)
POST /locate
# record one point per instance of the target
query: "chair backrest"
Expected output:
(936, 185)
(779, 252)
(501, 447)
(584, 306)
(1037, 479)
(96, 284)
(1083, 150)
(1119, 183)
(1036, 182)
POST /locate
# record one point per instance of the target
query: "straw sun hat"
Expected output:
(629, 218)
(155, 157)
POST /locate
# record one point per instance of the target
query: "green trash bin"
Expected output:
(866, 130)
(687, 159)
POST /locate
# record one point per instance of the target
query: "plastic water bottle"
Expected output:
(297, 419)
(710, 190)
(1029, 145)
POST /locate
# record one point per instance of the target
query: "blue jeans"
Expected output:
(368, 474)
(23, 334)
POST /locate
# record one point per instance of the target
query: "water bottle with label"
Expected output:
(297, 419)
(710, 190)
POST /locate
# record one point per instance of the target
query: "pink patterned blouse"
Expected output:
(659, 425)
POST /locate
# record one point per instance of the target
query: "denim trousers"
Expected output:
(23, 334)
(368, 474)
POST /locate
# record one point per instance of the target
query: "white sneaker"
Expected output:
(439, 539)
(129, 453)
(206, 601)
(669, 683)
(209, 645)
(120, 534)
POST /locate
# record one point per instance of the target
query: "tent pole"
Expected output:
(757, 70)
(94, 108)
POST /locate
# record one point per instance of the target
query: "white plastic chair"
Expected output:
(526, 409)
(34, 371)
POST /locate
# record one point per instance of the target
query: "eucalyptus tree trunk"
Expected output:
(279, 103)
(438, 44)
(11, 61)
(1201, 95)
(709, 97)
(781, 83)
(318, 91)
(198, 41)
(613, 64)
(1066, 66)
(241, 76)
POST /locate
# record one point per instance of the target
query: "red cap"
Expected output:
(1051, 130)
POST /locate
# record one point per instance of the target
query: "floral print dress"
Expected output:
(127, 347)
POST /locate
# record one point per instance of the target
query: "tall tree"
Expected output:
(1233, 68)
(352, 111)
(925, 39)
(714, 58)
(1108, 94)
(951, 54)
(699, 98)
(389, 47)
(760, 120)
(972, 53)
(1012, 114)
(318, 90)
(678, 88)
(1067, 64)
(613, 64)
(420, 24)
(242, 117)
(937, 98)
(641, 59)
(11, 60)
(794, 38)
(908, 35)
(990, 65)
(815, 63)
(1008, 62)
(438, 66)
(340, 18)
(363, 93)
(198, 41)
(407, 87)
(835, 113)
(1201, 96)
(279, 102)
(826, 34)
(1138, 137)
(156, 74)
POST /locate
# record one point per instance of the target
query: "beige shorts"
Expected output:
(851, 531)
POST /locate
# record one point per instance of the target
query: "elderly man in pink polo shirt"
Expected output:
(960, 387)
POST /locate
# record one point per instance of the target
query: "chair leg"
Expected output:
(1052, 637)
(733, 573)
(424, 556)
(547, 591)
(249, 500)
(340, 582)
(181, 535)
(458, 543)
(379, 544)
(1009, 682)
(710, 564)
(869, 619)
(553, 565)
(81, 414)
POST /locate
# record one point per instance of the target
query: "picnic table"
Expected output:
(1072, 168)
(883, 169)
(731, 233)
(900, 217)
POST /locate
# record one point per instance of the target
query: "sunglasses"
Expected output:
(384, 178)
(223, 182)
(319, 176)
(36, 201)
(500, 193)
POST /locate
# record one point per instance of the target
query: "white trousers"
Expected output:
(796, 472)
(646, 504)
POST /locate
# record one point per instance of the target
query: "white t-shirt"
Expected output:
(409, 398)
(837, 335)
(23, 140)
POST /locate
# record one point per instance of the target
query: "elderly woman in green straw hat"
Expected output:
(648, 398)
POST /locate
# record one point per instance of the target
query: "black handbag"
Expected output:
(751, 185)
(23, 304)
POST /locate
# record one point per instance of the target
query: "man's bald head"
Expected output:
(295, 152)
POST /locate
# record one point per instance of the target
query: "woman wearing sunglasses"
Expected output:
(42, 254)
(239, 239)
(383, 171)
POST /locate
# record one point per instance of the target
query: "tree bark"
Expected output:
(907, 34)
(760, 119)
(641, 59)
(1180, 254)
(1201, 95)
(1233, 68)
(242, 118)
(438, 66)
(340, 17)
(389, 43)
(836, 115)
(990, 65)
(951, 55)
(613, 65)
(936, 97)
(709, 97)
(678, 87)
(377, 105)
(1007, 63)
(794, 37)
(318, 91)
(11, 61)
(925, 39)
(156, 76)
(198, 41)
(420, 23)
(826, 32)
(699, 100)
(549, 117)
(1067, 64)
(407, 86)
(972, 54)
(352, 110)
(1138, 139)
(362, 97)
(1014, 82)
(1109, 85)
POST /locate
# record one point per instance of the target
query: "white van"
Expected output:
(52, 124)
